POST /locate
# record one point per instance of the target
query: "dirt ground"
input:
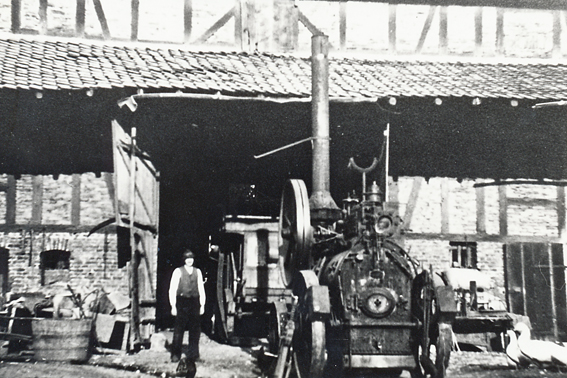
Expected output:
(224, 361)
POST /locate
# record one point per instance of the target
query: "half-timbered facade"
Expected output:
(476, 173)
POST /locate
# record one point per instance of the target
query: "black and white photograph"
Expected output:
(283, 188)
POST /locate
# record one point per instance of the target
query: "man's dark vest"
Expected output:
(188, 287)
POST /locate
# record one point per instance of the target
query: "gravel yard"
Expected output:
(224, 361)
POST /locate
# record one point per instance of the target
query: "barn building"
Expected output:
(476, 173)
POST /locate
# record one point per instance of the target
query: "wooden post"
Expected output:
(286, 25)
(343, 24)
(503, 210)
(445, 205)
(16, 16)
(80, 19)
(76, 199)
(556, 51)
(43, 17)
(37, 199)
(443, 34)
(187, 20)
(480, 211)
(499, 31)
(392, 27)
(478, 31)
(134, 256)
(553, 291)
(561, 227)
(11, 200)
(135, 20)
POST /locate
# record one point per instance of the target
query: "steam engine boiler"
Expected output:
(361, 302)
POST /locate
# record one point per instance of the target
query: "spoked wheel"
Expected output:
(225, 306)
(277, 320)
(309, 354)
(434, 340)
(295, 234)
(439, 350)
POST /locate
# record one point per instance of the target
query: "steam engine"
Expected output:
(361, 302)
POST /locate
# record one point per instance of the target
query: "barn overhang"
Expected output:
(210, 111)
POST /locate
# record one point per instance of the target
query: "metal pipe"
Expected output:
(130, 101)
(320, 201)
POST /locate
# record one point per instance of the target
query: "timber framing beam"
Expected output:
(517, 4)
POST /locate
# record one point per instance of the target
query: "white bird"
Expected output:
(539, 351)
(513, 351)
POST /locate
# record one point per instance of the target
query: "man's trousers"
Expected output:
(187, 318)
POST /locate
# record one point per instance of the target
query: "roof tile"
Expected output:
(26, 64)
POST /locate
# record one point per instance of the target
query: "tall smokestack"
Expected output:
(322, 205)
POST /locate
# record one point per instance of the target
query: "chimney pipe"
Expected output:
(322, 205)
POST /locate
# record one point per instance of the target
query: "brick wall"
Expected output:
(93, 262)
(524, 219)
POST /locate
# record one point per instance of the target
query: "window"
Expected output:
(463, 254)
(54, 266)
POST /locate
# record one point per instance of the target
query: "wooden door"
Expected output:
(535, 286)
(136, 200)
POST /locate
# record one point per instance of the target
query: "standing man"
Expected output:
(187, 300)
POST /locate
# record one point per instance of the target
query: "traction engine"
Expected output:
(361, 303)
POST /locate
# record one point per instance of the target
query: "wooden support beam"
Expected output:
(11, 201)
(392, 12)
(80, 18)
(76, 200)
(556, 49)
(443, 33)
(135, 20)
(445, 205)
(16, 16)
(217, 25)
(426, 27)
(42, 17)
(237, 14)
(516, 4)
(102, 19)
(531, 202)
(37, 199)
(309, 25)
(503, 210)
(187, 20)
(500, 31)
(480, 211)
(412, 201)
(286, 25)
(478, 31)
(342, 24)
(561, 214)
(479, 238)
(552, 288)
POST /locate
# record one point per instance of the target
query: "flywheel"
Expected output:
(309, 353)
(295, 233)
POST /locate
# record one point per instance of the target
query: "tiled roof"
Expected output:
(31, 64)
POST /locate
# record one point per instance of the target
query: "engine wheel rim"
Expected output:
(309, 354)
(295, 235)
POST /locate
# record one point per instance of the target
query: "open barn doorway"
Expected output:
(535, 286)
